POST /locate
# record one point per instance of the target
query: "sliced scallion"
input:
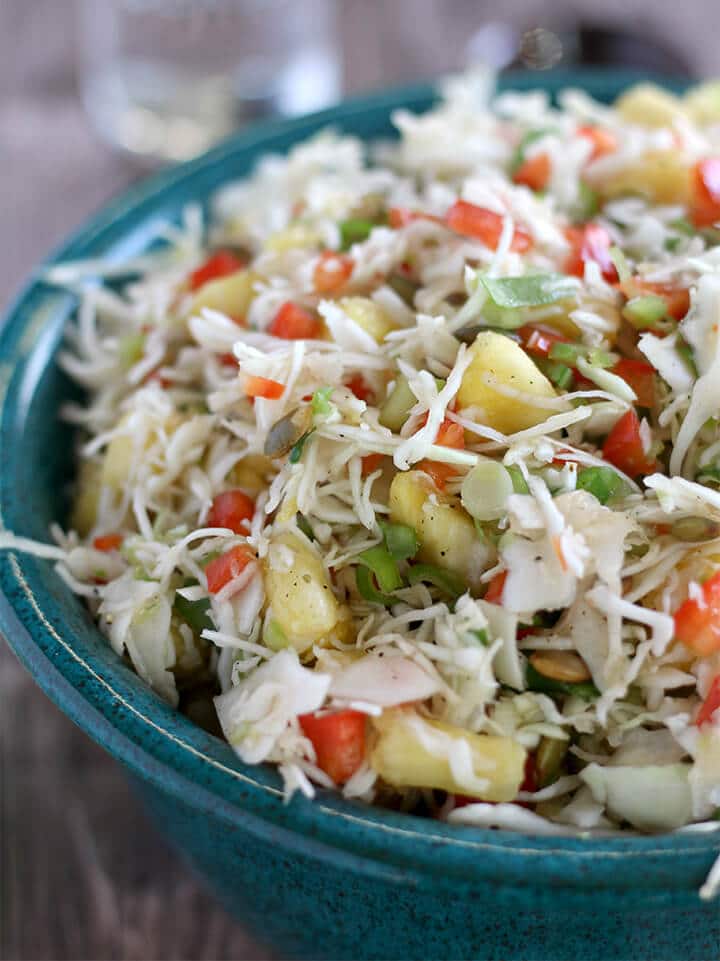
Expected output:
(397, 406)
(485, 490)
(296, 452)
(518, 481)
(354, 231)
(621, 265)
(321, 401)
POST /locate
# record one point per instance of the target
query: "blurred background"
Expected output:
(93, 93)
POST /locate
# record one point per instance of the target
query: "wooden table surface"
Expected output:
(83, 872)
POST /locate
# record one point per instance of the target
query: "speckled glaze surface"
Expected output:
(326, 878)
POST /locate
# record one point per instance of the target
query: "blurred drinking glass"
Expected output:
(164, 79)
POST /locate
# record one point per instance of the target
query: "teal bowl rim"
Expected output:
(163, 747)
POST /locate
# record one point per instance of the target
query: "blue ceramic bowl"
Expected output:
(326, 878)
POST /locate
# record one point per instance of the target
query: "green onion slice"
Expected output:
(321, 401)
(354, 231)
(297, 450)
(518, 481)
(485, 490)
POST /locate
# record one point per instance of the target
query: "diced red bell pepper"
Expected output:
(603, 141)
(400, 217)
(339, 742)
(640, 376)
(449, 434)
(529, 784)
(591, 242)
(539, 340)
(219, 264)
(228, 360)
(705, 204)
(358, 386)
(483, 225)
(697, 624)
(371, 463)
(232, 509)
(263, 387)
(108, 542)
(534, 172)
(494, 593)
(332, 272)
(438, 471)
(221, 570)
(710, 705)
(624, 447)
(293, 323)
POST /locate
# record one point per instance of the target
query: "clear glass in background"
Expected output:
(164, 79)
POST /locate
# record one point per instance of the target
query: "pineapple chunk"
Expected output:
(663, 176)
(293, 237)
(649, 106)
(117, 461)
(302, 600)
(369, 316)
(412, 751)
(703, 102)
(446, 532)
(84, 510)
(496, 357)
(251, 473)
(231, 295)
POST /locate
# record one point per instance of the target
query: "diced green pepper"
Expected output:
(354, 231)
(602, 482)
(646, 312)
(447, 581)
(196, 614)
(400, 539)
